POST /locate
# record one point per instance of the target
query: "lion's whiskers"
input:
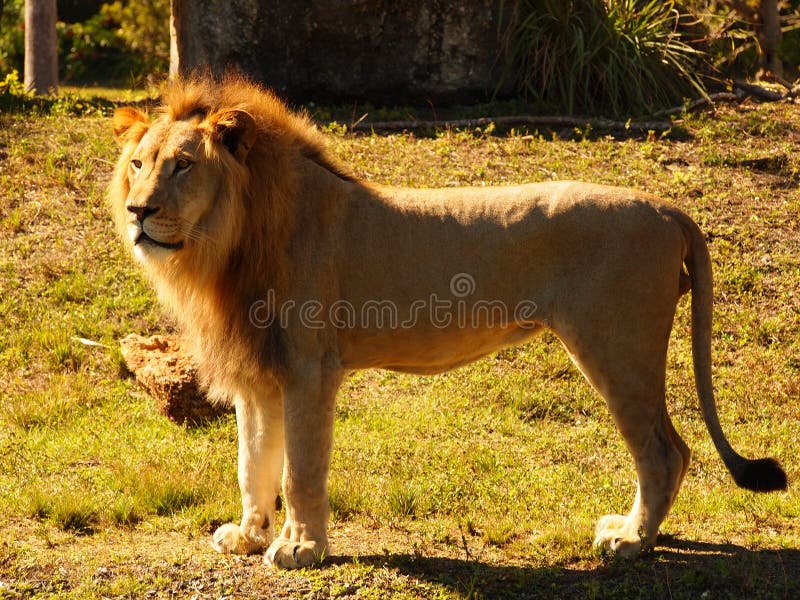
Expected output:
(189, 230)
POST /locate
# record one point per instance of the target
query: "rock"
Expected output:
(340, 51)
(166, 372)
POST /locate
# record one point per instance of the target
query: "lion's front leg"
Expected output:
(260, 428)
(308, 417)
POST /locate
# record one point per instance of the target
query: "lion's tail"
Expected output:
(761, 475)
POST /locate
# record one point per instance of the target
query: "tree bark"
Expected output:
(176, 7)
(341, 51)
(769, 37)
(41, 50)
(766, 22)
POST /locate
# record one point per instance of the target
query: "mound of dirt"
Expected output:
(166, 372)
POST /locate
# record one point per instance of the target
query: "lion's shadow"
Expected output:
(676, 569)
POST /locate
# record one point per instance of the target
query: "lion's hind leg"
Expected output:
(662, 459)
(622, 353)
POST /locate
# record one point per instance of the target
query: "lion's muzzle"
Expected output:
(141, 222)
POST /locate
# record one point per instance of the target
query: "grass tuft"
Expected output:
(67, 511)
(124, 513)
(404, 500)
(166, 497)
(347, 499)
(499, 533)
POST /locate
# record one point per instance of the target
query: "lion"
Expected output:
(286, 273)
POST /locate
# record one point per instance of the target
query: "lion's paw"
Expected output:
(285, 554)
(613, 535)
(228, 539)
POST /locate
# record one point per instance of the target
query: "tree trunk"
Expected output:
(41, 50)
(341, 51)
(766, 22)
(769, 37)
(174, 56)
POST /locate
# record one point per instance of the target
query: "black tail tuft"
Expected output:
(762, 475)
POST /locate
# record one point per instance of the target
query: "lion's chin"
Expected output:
(147, 249)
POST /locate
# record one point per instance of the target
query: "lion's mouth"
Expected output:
(143, 238)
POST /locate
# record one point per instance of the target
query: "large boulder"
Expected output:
(379, 51)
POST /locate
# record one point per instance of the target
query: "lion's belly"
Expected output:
(429, 350)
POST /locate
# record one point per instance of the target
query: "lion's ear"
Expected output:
(129, 124)
(235, 129)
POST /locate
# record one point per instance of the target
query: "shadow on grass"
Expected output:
(677, 569)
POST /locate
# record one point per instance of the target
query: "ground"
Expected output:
(482, 483)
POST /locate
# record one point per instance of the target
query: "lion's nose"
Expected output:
(141, 212)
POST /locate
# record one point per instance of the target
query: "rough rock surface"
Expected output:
(384, 51)
(168, 375)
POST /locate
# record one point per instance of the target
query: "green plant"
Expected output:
(403, 499)
(66, 510)
(123, 41)
(600, 56)
(347, 499)
(144, 27)
(14, 99)
(731, 38)
(12, 36)
(93, 50)
(12, 92)
(124, 512)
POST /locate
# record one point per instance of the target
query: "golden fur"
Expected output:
(286, 273)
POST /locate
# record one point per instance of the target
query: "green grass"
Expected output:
(482, 483)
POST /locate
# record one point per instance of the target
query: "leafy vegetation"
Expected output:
(731, 38)
(482, 483)
(617, 57)
(632, 57)
(124, 42)
(70, 101)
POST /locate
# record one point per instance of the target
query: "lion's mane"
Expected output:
(211, 287)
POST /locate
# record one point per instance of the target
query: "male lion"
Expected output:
(287, 273)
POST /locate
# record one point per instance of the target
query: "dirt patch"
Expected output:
(36, 560)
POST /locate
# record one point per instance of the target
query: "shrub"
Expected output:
(599, 56)
(144, 27)
(123, 41)
(12, 93)
(12, 36)
(14, 98)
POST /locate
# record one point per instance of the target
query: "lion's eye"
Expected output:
(137, 164)
(182, 164)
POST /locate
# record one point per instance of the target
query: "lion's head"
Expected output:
(215, 161)
(174, 172)
(205, 196)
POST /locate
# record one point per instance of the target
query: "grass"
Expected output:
(482, 483)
